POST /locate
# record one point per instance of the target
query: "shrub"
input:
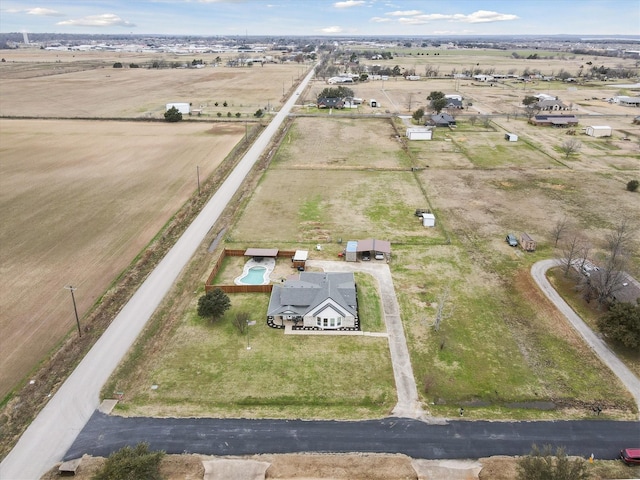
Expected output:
(238, 114)
(542, 465)
(632, 186)
(131, 464)
(117, 65)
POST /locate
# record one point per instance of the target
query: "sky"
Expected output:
(323, 17)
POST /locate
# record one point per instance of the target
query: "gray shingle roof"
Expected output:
(302, 295)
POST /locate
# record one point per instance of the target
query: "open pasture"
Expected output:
(38, 86)
(78, 201)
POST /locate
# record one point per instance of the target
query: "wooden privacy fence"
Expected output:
(208, 286)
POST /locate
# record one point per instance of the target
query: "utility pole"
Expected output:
(75, 309)
(198, 174)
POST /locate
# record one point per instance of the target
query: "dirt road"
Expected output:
(55, 428)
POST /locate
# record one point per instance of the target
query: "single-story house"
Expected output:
(330, 102)
(454, 103)
(320, 300)
(419, 133)
(441, 120)
(554, 120)
(626, 101)
(555, 104)
(598, 131)
(626, 290)
(483, 78)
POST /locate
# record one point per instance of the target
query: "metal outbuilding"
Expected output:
(419, 133)
(599, 131)
(428, 220)
(183, 108)
(511, 137)
(351, 251)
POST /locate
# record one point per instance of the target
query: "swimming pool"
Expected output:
(254, 276)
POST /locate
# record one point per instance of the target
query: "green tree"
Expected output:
(117, 65)
(173, 115)
(131, 464)
(435, 95)
(418, 114)
(395, 71)
(336, 92)
(531, 105)
(622, 324)
(213, 304)
(542, 465)
(438, 104)
(632, 185)
(259, 113)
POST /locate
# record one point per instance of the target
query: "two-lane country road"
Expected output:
(53, 431)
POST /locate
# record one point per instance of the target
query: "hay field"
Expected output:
(85, 84)
(78, 201)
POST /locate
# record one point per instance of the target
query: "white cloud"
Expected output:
(404, 13)
(349, 3)
(104, 20)
(380, 19)
(484, 16)
(481, 16)
(43, 12)
(334, 29)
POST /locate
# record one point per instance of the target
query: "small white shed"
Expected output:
(183, 108)
(511, 137)
(373, 102)
(599, 131)
(419, 133)
(428, 220)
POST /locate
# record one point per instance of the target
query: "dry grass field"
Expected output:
(85, 84)
(79, 200)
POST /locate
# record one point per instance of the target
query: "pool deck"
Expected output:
(268, 263)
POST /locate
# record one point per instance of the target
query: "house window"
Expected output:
(318, 322)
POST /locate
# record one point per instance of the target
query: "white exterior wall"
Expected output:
(183, 108)
(428, 220)
(599, 131)
(419, 134)
(333, 318)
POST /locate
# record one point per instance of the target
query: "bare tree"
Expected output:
(572, 248)
(559, 229)
(240, 321)
(570, 146)
(610, 277)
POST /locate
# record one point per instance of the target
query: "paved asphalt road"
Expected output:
(453, 440)
(55, 428)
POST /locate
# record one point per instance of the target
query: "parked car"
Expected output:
(379, 256)
(630, 456)
(366, 257)
(512, 240)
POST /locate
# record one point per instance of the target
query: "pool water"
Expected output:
(254, 276)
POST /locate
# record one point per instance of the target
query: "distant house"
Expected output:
(483, 78)
(454, 103)
(554, 120)
(555, 104)
(319, 300)
(330, 102)
(629, 101)
(441, 120)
